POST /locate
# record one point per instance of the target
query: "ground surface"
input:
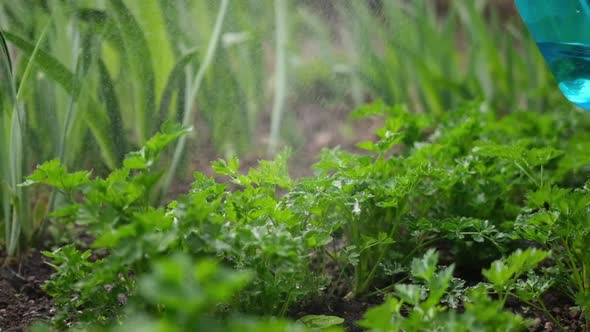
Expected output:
(22, 301)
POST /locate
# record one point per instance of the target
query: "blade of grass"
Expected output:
(5, 142)
(99, 124)
(175, 78)
(281, 74)
(109, 96)
(193, 91)
(53, 68)
(69, 118)
(15, 156)
(100, 23)
(244, 51)
(82, 61)
(140, 60)
(19, 219)
(21, 222)
(96, 120)
(150, 19)
(172, 14)
(7, 63)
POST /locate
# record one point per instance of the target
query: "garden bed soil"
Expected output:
(353, 310)
(22, 301)
(350, 310)
(561, 307)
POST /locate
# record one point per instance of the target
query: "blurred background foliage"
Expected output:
(96, 78)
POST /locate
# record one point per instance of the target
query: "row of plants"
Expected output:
(444, 218)
(92, 80)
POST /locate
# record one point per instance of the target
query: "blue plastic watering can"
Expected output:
(561, 29)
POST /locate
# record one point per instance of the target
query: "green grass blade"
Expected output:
(194, 89)
(171, 13)
(85, 55)
(281, 75)
(15, 155)
(151, 20)
(107, 89)
(97, 122)
(175, 78)
(7, 63)
(19, 218)
(6, 193)
(99, 125)
(99, 23)
(140, 60)
(48, 64)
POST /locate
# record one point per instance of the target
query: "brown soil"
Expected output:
(560, 307)
(22, 301)
(350, 310)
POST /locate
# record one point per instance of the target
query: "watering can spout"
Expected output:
(561, 29)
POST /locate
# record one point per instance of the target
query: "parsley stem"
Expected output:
(383, 248)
